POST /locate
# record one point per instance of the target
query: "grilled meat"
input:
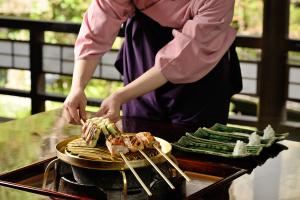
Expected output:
(100, 129)
(116, 145)
(133, 143)
(147, 139)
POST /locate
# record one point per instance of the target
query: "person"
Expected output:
(178, 60)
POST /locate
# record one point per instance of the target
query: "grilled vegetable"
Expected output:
(112, 128)
(97, 129)
(220, 136)
(230, 129)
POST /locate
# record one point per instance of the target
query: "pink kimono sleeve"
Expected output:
(100, 26)
(198, 47)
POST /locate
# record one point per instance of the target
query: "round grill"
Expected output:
(75, 152)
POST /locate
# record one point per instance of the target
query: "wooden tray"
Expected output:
(206, 177)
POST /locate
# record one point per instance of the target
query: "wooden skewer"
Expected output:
(136, 175)
(173, 164)
(157, 169)
(82, 122)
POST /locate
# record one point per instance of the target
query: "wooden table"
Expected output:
(273, 175)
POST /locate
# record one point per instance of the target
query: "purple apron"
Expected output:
(201, 103)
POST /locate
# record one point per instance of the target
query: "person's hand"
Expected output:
(74, 106)
(110, 108)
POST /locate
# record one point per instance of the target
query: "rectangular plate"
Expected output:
(220, 140)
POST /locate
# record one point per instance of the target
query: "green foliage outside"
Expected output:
(62, 10)
(248, 17)
(295, 20)
(96, 88)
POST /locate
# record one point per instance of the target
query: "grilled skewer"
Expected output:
(135, 143)
(172, 163)
(136, 175)
(150, 142)
(119, 145)
(88, 128)
(158, 170)
(98, 127)
(116, 146)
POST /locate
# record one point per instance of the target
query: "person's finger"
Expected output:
(74, 114)
(114, 119)
(112, 116)
(66, 114)
(82, 112)
(102, 111)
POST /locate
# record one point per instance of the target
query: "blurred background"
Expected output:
(36, 60)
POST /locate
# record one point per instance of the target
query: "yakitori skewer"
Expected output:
(158, 170)
(136, 175)
(117, 144)
(90, 130)
(172, 163)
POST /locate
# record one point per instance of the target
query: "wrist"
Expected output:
(76, 87)
(121, 96)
